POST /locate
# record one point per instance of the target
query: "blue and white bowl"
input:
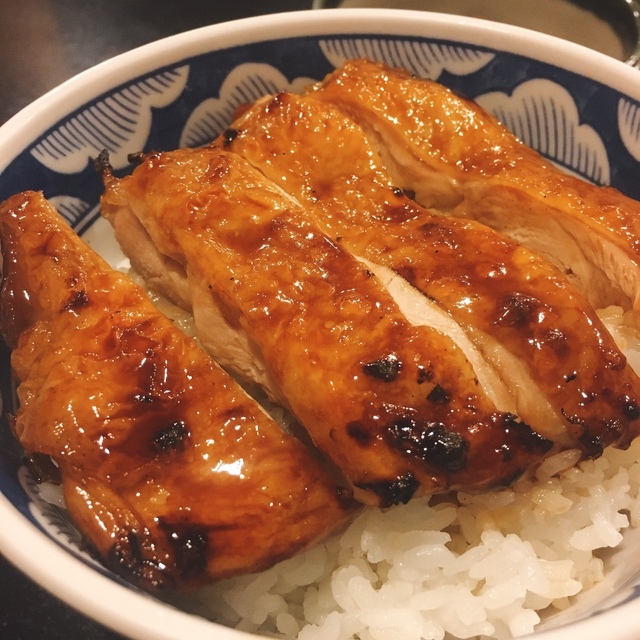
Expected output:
(578, 108)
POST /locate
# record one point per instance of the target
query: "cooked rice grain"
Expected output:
(457, 567)
(462, 566)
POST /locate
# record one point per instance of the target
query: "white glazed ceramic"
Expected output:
(579, 108)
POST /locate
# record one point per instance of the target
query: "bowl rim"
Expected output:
(46, 110)
(115, 606)
(135, 614)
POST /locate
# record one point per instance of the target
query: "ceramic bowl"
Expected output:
(577, 107)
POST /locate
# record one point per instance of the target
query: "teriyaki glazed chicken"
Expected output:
(393, 298)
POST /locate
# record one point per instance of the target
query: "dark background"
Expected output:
(44, 42)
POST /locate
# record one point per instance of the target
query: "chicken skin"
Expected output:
(568, 379)
(175, 476)
(397, 407)
(454, 156)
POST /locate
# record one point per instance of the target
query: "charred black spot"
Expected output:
(630, 408)
(129, 558)
(136, 158)
(392, 492)
(386, 369)
(124, 555)
(134, 547)
(517, 310)
(592, 445)
(438, 395)
(77, 300)
(571, 377)
(431, 442)
(145, 398)
(191, 548)
(358, 432)
(171, 437)
(102, 164)
(424, 375)
(229, 136)
(529, 439)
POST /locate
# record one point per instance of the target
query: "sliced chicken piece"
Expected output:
(569, 380)
(172, 472)
(396, 407)
(456, 157)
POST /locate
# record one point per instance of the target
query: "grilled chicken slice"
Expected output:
(568, 379)
(396, 407)
(456, 157)
(172, 472)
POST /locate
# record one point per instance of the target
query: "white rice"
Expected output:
(460, 566)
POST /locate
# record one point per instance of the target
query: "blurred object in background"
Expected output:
(609, 26)
(45, 42)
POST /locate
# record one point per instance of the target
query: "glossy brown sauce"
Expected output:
(174, 475)
(482, 279)
(350, 365)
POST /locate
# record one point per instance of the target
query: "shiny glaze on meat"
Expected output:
(171, 471)
(504, 294)
(456, 157)
(395, 406)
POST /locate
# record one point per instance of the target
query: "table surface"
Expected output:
(43, 43)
